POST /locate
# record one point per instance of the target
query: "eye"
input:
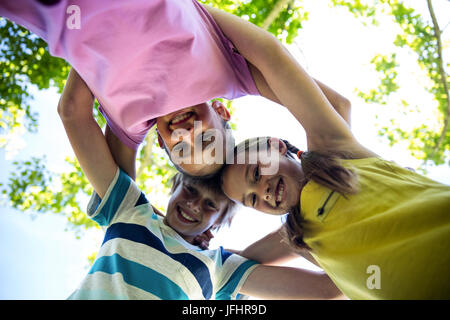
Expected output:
(256, 174)
(253, 200)
(191, 190)
(208, 139)
(211, 204)
(208, 135)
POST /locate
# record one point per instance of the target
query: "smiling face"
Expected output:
(194, 208)
(195, 137)
(274, 193)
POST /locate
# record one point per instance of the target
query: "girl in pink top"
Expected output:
(143, 60)
(150, 62)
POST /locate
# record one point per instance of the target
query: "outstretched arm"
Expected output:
(286, 283)
(290, 83)
(273, 250)
(249, 47)
(85, 135)
(340, 103)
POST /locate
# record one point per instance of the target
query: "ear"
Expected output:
(160, 140)
(278, 145)
(221, 110)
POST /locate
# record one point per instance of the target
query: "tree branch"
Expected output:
(437, 33)
(279, 6)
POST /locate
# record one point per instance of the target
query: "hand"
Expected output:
(203, 239)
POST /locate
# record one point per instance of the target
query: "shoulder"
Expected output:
(122, 194)
(347, 146)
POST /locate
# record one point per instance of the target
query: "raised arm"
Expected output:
(289, 82)
(85, 135)
(124, 156)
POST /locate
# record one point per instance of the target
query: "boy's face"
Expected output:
(191, 137)
(193, 209)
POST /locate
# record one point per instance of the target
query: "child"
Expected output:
(145, 256)
(380, 231)
(144, 61)
(150, 62)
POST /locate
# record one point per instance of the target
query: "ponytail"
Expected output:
(325, 170)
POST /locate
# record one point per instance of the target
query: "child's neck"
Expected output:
(188, 239)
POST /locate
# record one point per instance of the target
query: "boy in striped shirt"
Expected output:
(145, 256)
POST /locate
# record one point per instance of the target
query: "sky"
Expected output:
(40, 259)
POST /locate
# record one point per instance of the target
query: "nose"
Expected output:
(264, 190)
(183, 133)
(267, 194)
(189, 134)
(194, 206)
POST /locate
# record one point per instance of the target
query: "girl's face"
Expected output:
(192, 210)
(274, 194)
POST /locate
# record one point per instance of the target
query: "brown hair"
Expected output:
(322, 168)
(212, 184)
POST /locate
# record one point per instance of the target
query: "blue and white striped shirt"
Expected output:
(142, 258)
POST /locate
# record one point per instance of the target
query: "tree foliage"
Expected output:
(24, 61)
(421, 36)
(283, 18)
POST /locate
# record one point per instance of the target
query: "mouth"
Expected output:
(181, 118)
(279, 192)
(185, 216)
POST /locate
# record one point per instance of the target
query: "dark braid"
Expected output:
(293, 150)
(293, 230)
(324, 169)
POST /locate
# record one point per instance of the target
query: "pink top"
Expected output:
(141, 59)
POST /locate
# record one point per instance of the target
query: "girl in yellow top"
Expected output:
(380, 231)
(389, 239)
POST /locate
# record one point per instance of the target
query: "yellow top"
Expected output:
(389, 241)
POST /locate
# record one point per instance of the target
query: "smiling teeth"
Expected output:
(186, 216)
(280, 192)
(181, 117)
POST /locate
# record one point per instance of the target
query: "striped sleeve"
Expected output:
(235, 270)
(121, 195)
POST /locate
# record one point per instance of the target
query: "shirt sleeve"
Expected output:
(235, 270)
(243, 83)
(131, 140)
(122, 194)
